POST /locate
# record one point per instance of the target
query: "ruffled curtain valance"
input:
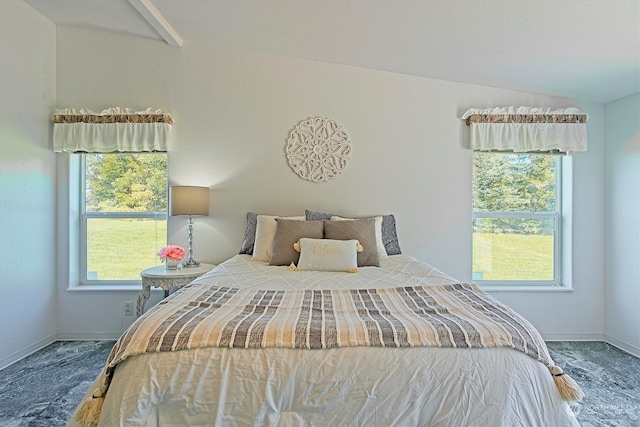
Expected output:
(112, 130)
(527, 129)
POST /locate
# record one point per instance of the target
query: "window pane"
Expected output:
(513, 249)
(120, 248)
(117, 186)
(126, 182)
(514, 182)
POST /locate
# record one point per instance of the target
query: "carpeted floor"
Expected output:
(610, 379)
(44, 388)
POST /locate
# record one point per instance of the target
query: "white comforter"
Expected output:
(368, 386)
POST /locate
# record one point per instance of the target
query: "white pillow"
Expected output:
(328, 255)
(382, 252)
(265, 230)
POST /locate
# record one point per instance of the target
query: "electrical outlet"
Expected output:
(128, 308)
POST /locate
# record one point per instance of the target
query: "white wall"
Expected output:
(622, 173)
(27, 176)
(233, 111)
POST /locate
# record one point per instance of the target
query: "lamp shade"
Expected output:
(188, 201)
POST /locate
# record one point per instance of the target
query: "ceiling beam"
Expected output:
(157, 21)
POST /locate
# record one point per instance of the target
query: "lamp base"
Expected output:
(191, 263)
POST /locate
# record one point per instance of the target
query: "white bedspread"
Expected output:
(368, 386)
(398, 270)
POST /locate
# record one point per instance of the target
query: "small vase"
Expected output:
(171, 265)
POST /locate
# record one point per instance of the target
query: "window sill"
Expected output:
(525, 288)
(105, 288)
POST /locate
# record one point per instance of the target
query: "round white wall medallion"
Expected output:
(318, 149)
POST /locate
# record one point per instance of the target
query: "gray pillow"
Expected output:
(363, 230)
(317, 216)
(249, 234)
(389, 234)
(288, 232)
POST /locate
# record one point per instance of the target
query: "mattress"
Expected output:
(372, 386)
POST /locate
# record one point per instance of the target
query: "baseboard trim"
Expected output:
(622, 345)
(21, 354)
(89, 336)
(573, 336)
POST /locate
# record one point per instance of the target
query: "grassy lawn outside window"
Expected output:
(123, 215)
(516, 219)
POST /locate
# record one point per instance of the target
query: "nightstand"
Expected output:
(160, 277)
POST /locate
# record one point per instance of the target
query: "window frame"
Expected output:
(562, 230)
(84, 216)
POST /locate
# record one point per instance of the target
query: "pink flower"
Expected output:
(171, 252)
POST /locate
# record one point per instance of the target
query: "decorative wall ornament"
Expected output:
(318, 149)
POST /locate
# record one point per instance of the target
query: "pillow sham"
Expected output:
(388, 229)
(328, 255)
(362, 230)
(265, 231)
(382, 252)
(288, 232)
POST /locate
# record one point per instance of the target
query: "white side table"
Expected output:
(160, 277)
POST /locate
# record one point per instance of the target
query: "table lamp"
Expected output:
(190, 201)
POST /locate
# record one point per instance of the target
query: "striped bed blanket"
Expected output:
(455, 316)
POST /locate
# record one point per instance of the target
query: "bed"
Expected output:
(250, 343)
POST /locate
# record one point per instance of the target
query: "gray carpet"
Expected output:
(610, 379)
(44, 388)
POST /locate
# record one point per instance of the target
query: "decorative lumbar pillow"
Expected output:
(382, 253)
(388, 229)
(328, 255)
(363, 230)
(289, 231)
(265, 231)
(296, 246)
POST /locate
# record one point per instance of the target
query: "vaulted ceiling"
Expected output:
(584, 49)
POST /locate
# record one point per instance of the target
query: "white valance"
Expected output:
(113, 130)
(527, 129)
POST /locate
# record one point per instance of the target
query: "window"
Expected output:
(123, 214)
(517, 219)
